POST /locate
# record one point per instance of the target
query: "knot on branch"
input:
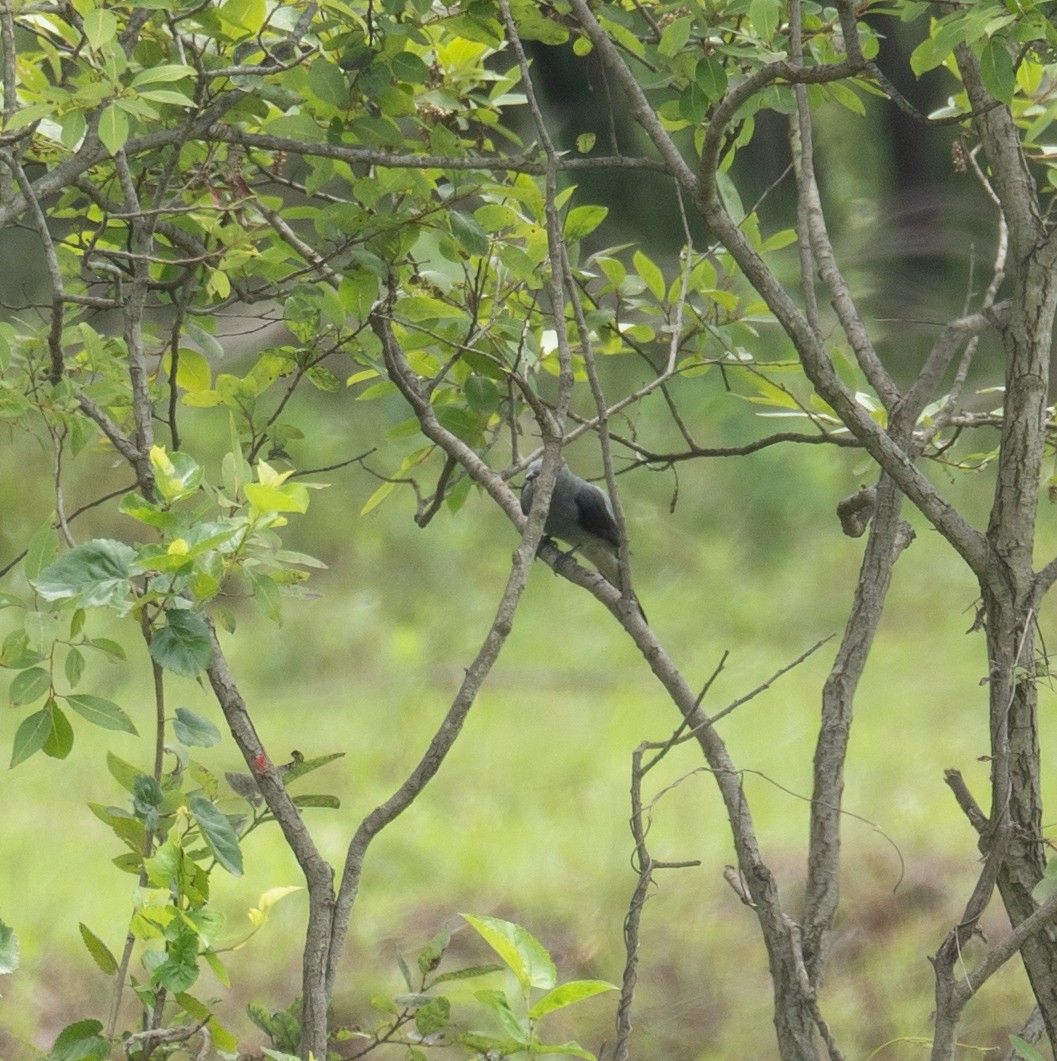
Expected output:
(856, 510)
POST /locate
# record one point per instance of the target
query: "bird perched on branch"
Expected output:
(581, 515)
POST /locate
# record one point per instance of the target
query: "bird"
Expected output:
(581, 515)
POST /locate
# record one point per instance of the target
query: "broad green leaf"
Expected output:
(59, 741)
(146, 511)
(163, 95)
(101, 712)
(197, 334)
(176, 475)
(434, 1016)
(523, 953)
(184, 644)
(583, 220)
(651, 275)
(81, 1041)
(175, 969)
(124, 773)
(30, 736)
(290, 497)
(469, 232)
(509, 1021)
(10, 953)
(218, 834)
(675, 36)
(1025, 1050)
(29, 685)
(711, 77)
(100, 27)
(99, 951)
(74, 666)
(193, 372)
(326, 80)
(95, 574)
(996, 70)
(167, 72)
(111, 648)
(566, 994)
(42, 550)
(765, 15)
(113, 128)
(247, 15)
(194, 730)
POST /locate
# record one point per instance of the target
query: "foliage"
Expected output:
(379, 184)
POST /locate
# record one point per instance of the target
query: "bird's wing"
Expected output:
(596, 516)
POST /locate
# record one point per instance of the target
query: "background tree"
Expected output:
(382, 188)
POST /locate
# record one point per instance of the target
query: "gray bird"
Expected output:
(581, 515)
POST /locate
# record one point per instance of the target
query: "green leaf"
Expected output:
(434, 1016)
(100, 27)
(1024, 1049)
(95, 574)
(137, 508)
(523, 953)
(184, 644)
(74, 666)
(429, 957)
(328, 83)
(651, 275)
(583, 220)
(482, 394)
(306, 766)
(99, 951)
(327, 802)
(469, 973)
(113, 128)
(111, 648)
(218, 834)
(154, 75)
(675, 36)
(175, 969)
(765, 15)
(42, 550)
(499, 1004)
(566, 994)
(377, 497)
(101, 712)
(569, 1049)
(194, 730)
(996, 70)
(176, 475)
(30, 736)
(10, 953)
(193, 372)
(247, 15)
(29, 685)
(199, 336)
(711, 77)
(81, 1041)
(59, 742)
(290, 497)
